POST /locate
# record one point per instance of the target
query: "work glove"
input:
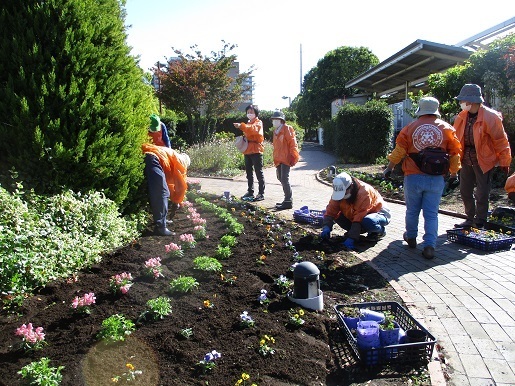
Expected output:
(387, 173)
(326, 233)
(349, 244)
(505, 169)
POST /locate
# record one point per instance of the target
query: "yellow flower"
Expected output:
(222, 276)
(129, 366)
(114, 379)
(301, 312)
(238, 382)
(245, 376)
(262, 257)
(207, 303)
(262, 342)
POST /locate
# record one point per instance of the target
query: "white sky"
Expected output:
(269, 33)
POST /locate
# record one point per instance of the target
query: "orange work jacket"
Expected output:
(490, 139)
(286, 150)
(253, 131)
(426, 131)
(175, 171)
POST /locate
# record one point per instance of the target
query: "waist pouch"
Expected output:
(432, 160)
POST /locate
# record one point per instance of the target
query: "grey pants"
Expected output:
(283, 175)
(475, 203)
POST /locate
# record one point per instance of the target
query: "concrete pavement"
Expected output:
(464, 296)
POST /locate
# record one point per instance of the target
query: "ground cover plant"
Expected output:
(227, 327)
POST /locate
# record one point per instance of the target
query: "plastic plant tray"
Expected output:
(485, 240)
(309, 216)
(399, 354)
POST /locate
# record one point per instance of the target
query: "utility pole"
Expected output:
(301, 67)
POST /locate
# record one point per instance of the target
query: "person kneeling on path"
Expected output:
(286, 155)
(356, 207)
(165, 170)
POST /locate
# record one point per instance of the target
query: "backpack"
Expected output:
(432, 160)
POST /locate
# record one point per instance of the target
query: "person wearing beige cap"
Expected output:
(484, 146)
(424, 181)
(356, 207)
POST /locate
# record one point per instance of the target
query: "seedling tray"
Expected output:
(401, 354)
(309, 216)
(485, 240)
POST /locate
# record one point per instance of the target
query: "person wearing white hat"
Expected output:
(422, 187)
(356, 207)
(484, 146)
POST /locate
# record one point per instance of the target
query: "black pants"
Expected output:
(158, 192)
(254, 162)
(283, 175)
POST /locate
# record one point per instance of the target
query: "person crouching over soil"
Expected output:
(356, 207)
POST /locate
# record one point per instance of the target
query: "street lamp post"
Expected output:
(289, 100)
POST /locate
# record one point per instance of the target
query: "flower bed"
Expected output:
(284, 345)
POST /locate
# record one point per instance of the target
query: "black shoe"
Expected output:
(259, 197)
(464, 224)
(428, 252)
(412, 242)
(375, 237)
(247, 196)
(163, 232)
(284, 205)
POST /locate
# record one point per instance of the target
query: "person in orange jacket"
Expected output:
(484, 146)
(253, 131)
(286, 155)
(165, 170)
(424, 191)
(356, 207)
(510, 187)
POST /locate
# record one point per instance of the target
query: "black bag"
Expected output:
(432, 160)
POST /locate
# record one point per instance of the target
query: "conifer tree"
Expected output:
(73, 104)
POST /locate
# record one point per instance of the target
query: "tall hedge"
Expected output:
(362, 133)
(73, 104)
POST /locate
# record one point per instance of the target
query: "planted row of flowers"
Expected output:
(117, 327)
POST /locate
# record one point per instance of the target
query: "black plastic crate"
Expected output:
(463, 236)
(402, 354)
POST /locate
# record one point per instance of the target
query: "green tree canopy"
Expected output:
(73, 104)
(326, 82)
(200, 87)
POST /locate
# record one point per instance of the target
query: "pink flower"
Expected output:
(33, 338)
(153, 267)
(121, 282)
(174, 250)
(82, 303)
(188, 240)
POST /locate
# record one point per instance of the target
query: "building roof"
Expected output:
(408, 69)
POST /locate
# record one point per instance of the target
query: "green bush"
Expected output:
(75, 105)
(46, 238)
(363, 133)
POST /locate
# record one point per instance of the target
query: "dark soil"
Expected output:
(312, 354)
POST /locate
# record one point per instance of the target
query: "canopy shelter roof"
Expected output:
(409, 69)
